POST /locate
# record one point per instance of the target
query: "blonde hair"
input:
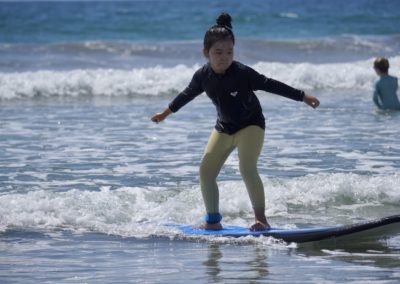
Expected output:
(381, 64)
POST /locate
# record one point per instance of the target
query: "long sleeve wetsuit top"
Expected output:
(232, 93)
(385, 96)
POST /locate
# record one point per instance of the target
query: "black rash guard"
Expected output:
(233, 95)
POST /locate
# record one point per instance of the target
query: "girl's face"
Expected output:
(220, 55)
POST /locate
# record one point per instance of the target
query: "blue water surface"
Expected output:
(162, 20)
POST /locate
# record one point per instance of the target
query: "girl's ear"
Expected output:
(205, 52)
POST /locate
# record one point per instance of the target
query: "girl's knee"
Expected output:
(206, 170)
(248, 171)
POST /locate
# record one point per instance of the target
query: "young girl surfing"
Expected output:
(240, 123)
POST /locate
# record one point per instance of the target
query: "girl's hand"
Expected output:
(311, 101)
(160, 116)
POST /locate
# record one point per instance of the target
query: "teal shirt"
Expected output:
(385, 96)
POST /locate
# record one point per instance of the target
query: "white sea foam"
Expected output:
(101, 82)
(159, 80)
(140, 212)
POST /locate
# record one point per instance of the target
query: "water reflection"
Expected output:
(211, 264)
(383, 253)
(223, 265)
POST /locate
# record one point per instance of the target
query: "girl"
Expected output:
(240, 123)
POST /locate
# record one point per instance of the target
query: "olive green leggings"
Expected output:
(249, 142)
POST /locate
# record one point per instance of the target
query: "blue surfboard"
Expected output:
(379, 228)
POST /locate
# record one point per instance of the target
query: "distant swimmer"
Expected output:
(386, 86)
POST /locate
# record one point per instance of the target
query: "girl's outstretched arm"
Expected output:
(160, 116)
(311, 101)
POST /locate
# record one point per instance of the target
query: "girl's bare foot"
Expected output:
(211, 227)
(259, 226)
(261, 221)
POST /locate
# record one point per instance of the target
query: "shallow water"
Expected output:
(90, 258)
(88, 182)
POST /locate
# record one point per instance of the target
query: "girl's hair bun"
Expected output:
(224, 20)
(221, 31)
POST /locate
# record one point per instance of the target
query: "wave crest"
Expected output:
(156, 81)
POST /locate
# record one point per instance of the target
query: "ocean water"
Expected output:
(87, 181)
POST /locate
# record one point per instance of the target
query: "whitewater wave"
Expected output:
(140, 212)
(156, 81)
(100, 82)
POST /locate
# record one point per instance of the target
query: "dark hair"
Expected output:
(221, 31)
(381, 64)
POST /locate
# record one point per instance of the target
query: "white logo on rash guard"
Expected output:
(233, 94)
